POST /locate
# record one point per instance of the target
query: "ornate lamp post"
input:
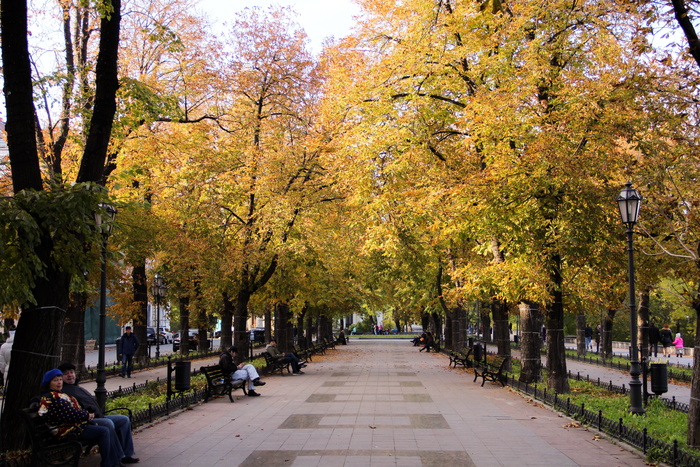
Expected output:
(158, 291)
(630, 202)
(104, 226)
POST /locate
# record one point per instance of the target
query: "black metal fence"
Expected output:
(659, 450)
(669, 403)
(625, 366)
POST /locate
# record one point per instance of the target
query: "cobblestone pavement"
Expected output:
(373, 403)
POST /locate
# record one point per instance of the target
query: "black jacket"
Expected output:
(654, 336)
(86, 400)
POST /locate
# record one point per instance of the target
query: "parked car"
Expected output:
(167, 336)
(193, 340)
(151, 337)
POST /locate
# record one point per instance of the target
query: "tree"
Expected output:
(39, 332)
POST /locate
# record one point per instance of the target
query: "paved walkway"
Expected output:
(373, 403)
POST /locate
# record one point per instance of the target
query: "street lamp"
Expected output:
(629, 202)
(104, 226)
(158, 291)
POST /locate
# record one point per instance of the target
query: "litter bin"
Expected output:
(659, 378)
(182, 376)
(471, 342)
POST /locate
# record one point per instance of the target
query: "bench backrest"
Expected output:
(499, 362)
(212, 372)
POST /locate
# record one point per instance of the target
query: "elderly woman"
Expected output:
(65, 416)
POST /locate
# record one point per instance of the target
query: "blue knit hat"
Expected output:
(48, 376)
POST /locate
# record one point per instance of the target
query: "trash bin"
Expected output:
(471, 342)
(182, 376)
(659, 378)
(478, 352)
(516, 338)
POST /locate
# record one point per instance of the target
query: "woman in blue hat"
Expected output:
(65, 416)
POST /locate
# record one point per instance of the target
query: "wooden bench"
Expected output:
(219, 383)
(492, 371)
(302, 354)
(461, 358)
(47, 449)
(329, 344)
(276, 364)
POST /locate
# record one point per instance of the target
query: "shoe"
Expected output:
(122, 376)
(298, 372)
(252, 393)
(302, 363)
(130, 460)
(257, 382)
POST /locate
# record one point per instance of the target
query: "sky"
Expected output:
(319, 18)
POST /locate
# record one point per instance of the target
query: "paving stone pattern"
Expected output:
(375, 403)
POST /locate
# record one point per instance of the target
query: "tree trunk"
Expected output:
(486, 324)
(309, 326)
(282, 327)
(501, 330)
(33, 353)
(73, 348)
(643, 322)
(580, 334)
(139, 283)
(184, 326)
(606, 352)
(240, 318)
(694, 408)
(226, 323)
(19, 99)
(202, 330)
(106, 85)
(530, 342)
(557, 377)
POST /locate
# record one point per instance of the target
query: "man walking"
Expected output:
(126, 349)
(654, 338)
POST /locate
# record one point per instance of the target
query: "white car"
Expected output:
(167, 336)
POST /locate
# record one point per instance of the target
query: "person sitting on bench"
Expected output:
(242, 372)
(121, 424)
(274, 352)
(64, 415)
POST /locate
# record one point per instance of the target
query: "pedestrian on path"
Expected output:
(678, 342)
(654, 338)
(126, 349)
(666, 339)
(588, 334)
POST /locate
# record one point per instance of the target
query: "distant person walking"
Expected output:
(588, 334)
(678, 342)
(666, 339)
(126, 350)
(597, 338)
(654, 338)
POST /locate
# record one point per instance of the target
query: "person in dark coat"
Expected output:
(666, 339)
(126, 349)
(654, 338)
